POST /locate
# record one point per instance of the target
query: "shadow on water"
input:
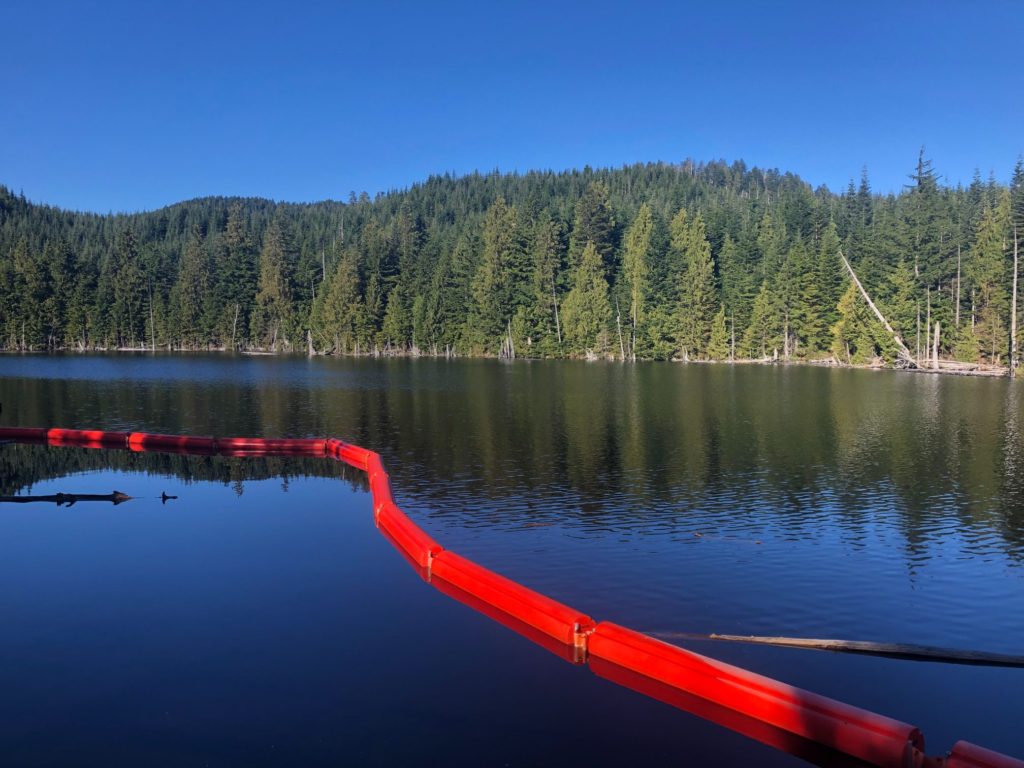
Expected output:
(23, 466)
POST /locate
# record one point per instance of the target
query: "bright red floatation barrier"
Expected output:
(145, 441)
(630, 658)
(271, 447)
(873, 738)
(86, 438)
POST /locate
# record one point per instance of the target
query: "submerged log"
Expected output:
(68, 499)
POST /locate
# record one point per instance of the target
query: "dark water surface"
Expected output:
(260, 619)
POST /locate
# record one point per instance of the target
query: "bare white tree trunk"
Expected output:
(1013, 308)
(554, 303)
(732, 348)
(928, 322)
(904, 352)
(958, 286)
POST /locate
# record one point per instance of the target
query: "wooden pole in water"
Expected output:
(907, 651)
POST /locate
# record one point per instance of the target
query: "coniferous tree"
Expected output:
(272, 322)
(30, 290)
(338, 321)
(858, 337)
(82, 319)
(59, 264)
(828, 272)
(450, 295)
(595, 224)
(127, 287)
(718, 345)
(547, 267)
(10, 316)
(738, 282)
(238, 278)
(1016, 226)
(377, 263)
(988, 273)
(764, 334)
(811, 329)
(901, 304)
(966, 348)
(697, 295)
(396, 330)
(636, 270)
(850, 342)
(586, 311)
(190, 292)
(418, 252)
(923, 219)
(771, 239)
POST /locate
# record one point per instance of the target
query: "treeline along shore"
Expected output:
(690, 261)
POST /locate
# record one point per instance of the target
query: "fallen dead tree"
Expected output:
(904, 358)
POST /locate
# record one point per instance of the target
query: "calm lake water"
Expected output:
(260, 619)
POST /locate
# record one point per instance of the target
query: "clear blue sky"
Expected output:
(131, 105)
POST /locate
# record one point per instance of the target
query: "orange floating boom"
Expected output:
(619, 654)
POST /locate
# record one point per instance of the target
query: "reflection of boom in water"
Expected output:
(68, 499)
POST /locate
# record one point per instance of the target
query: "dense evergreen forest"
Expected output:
(691, 261)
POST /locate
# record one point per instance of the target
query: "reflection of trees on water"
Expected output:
(794, 445)
(22, 466)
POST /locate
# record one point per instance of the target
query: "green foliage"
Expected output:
(238, 278)
(396, 330)
(497, 288)
(190, 293)
(635, 269)
(586, 311)
(697, 294)
(718, 345)
(125, 314)
(900, 308)
(988, 272)
(547, 276)
(458, 265)
(595, 224)
(924, 221)
(966, 349)
(339, 318)
(272, 323)
(764, 334)
(858, 337)
(810, 318)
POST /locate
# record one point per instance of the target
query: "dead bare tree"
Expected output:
(1013, 307)
(905, 359)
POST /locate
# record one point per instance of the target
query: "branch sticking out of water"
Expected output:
(904, 651)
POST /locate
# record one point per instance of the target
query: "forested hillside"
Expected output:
(691, 261)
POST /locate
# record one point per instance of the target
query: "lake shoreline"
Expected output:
(946, 367)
